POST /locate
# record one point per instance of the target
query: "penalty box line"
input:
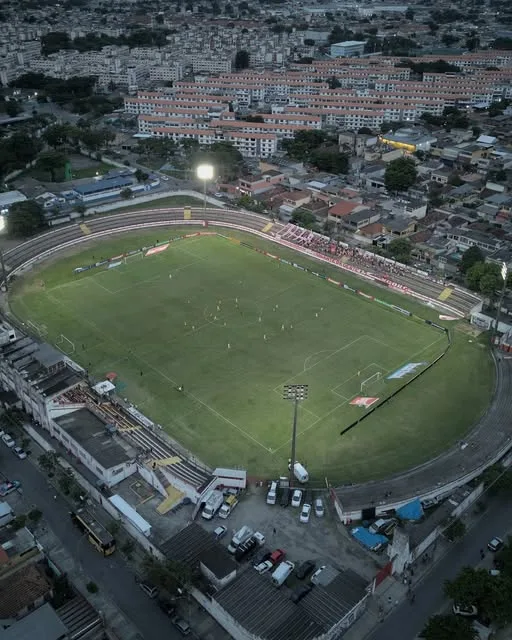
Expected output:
(163, 375)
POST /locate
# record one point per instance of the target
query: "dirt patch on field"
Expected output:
(469, 329)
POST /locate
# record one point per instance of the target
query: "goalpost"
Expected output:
(40, 329)
(134, 257)
(65, 344)
(374, 382)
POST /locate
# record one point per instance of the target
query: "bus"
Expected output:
(97, 535)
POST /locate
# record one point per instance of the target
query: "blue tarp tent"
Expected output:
(369, 540)
(411, 511)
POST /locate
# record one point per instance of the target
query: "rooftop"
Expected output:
(189, 544)
(90, 433)
(218, 561)
(10, 197)
(21, 589)
(102, 185)
(264, 611)
(43, 624)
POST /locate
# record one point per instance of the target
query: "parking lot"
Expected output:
(323, 540)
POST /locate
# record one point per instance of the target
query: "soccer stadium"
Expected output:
(201, 328)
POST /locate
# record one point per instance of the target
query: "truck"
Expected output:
(212, 504)
(240, 537)
(229, 504)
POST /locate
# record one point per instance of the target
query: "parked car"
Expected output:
(263, 567)
(148, 588)
(277, 556)
(305, 513)
(284, 500)
(300, 592)
(219, 532)
(319, 508)
(468, 611)
(305, 569)
(167, 607)
(296, 498)
(246, 548)
(19, 453)
(495, 544)
(315, 578)
(261, 556)
(8, 487)
(182, 625)
(8, 441)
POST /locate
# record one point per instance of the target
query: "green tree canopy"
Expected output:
(470, 257)
(484, 277)
(25, 219)
(400, 174)
(449, 627)
(305, 219)
(50, 161)
(242, 59)
(56, 135)
(400, 249)
(330, 159)
(490, 594)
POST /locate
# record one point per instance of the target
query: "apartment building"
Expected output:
(167, 72)
(200, 64)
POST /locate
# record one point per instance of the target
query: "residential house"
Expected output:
(441, 176)
(466, 238)
(399, 226)
(359, 219)
(343, 208)
(253, 185)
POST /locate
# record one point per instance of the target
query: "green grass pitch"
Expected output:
(233, 326)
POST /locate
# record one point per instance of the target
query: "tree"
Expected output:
(80, 208)
(126, 194)
(449, 627)
(168, 575)
(13, 108)
(304, 219)
(400, 174)
(303, 144)
(56, 135)
(455, 530)
(141, 176)
(409, 14)
(330, 159)
(400, 249)
(333, 83)
(35, 515)
(470, 257)
(242, 60)
(365, 131)
(25, 218)
(490, 594)
(497, 479)
(51, 161)
(48, 461)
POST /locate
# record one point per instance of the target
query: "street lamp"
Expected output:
(504, 274)
(295, 392)
(204, 172)
(3, 273)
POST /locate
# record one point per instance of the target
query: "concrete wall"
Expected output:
(150, 198)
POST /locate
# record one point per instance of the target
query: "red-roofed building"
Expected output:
(343, 208)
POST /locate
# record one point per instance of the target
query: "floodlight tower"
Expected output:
(296, 393)
(205, 173)
(504, 275)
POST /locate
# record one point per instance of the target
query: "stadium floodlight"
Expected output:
(3, 276)
(205, 172)
(296, 393)
(504, 277)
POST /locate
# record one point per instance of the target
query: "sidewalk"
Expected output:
(392, 592)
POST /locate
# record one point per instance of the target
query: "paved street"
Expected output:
(407, 621)
(111, 574)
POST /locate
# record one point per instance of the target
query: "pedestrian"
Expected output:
(413, 598)
(141, 373)
(275, 531)
(55, 497)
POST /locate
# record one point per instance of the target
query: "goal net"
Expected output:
(135, 257)
(373, 384)
(65, 344)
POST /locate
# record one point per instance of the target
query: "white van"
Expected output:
(239, 538)
(300, 473)
(272, 493)
(282, 572)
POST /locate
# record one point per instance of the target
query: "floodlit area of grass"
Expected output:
(232, 326)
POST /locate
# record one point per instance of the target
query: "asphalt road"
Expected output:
(111, 574)
(407, 621)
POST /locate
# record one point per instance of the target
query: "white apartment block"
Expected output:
(166, 72)
(201, 64)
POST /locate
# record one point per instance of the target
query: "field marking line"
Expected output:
(308, 428)
(332, 353)
(306, 360)
(204, 404)
(166, 377)
(384, 344)
(339, 395)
